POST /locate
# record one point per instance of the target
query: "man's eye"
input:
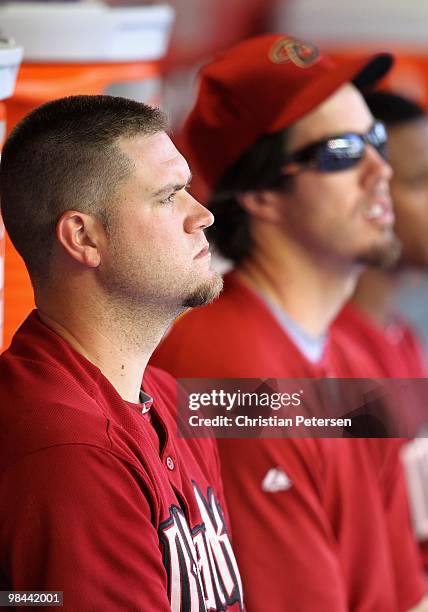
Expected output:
(169, 199)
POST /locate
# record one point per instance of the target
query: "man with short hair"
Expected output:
(299, 184)
(99, 499)
(371, 317)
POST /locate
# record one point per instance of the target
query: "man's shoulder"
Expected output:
(222, 312)
(43, 405)
(211, 340)
(353, 322)
(37, 379)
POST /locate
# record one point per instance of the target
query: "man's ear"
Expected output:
(264, 205)
(80, 236)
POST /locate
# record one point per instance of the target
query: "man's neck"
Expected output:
(375, 293)
(119, 345)
(311, 293)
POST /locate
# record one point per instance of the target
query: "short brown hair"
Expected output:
(64, 156)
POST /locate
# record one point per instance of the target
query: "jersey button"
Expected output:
(170, 463)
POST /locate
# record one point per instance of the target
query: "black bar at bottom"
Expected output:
(31, 598)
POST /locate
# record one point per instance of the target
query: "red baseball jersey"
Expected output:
(395, 349)
(398, 354)
(310, 517)
(99, 498)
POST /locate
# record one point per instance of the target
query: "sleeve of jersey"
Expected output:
(284, 545)
(77, 520)
(410, 581)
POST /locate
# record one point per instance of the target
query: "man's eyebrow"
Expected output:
(172, 187)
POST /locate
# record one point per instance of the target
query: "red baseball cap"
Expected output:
(260, 86)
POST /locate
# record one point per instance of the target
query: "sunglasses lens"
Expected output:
(378, 138)
(340, 153)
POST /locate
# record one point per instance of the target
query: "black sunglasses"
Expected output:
(338, 152)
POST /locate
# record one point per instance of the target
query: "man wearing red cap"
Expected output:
(299, 187)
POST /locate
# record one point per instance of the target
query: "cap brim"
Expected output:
(363, 72)
(374, 69)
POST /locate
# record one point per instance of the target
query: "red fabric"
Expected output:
(396, 350)
(424, 553)
(260, 86)
(87, 504)
(325, 543)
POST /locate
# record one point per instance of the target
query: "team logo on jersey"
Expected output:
(202, 571)
(288, 49)
(276, 480)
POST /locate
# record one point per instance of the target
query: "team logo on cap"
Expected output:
(300, 53)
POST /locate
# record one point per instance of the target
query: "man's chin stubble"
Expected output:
(206, 293)
(384, 257)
